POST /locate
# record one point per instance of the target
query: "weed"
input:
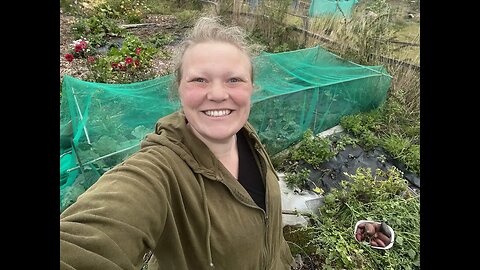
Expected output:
(297, 180)
(381, 197)
(312, 149)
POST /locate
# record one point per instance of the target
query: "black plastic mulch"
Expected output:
(331, 173)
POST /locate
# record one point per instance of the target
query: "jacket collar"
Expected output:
(172, 131)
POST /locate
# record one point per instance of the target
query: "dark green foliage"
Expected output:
(390, 128)
(404, 150)
(297, 179)
(384, 197)
(313, 149)
(97, 29)
(159, 40)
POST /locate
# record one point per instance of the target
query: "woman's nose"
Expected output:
(217, 92)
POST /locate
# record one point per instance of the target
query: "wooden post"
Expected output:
(305, 26)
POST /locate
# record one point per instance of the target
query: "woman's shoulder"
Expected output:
(155, 155)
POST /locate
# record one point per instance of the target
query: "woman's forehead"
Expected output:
(215, 54)
(214, 46)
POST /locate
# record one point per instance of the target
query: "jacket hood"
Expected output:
(171, 131)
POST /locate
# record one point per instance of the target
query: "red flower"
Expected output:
(122, 67)
(114, 65)
(78, 48)
(138, 50)
(69, 57)
(128, 60)
(137, 62)
(90, 59)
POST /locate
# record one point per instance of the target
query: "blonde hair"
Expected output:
(209, 29)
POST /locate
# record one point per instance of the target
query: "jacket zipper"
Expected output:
(263, 167)
(265, 219)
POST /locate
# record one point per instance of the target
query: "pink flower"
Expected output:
(83, 44)
(69, 57)
(90, 59)
(138, 50)
(128, 60)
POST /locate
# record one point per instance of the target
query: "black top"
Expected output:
(249, 174)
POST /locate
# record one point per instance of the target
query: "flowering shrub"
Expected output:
(130, 63)
(80, 49)
(97, 28)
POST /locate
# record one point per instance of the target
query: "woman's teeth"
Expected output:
(218, 113)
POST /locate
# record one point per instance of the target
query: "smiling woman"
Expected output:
(201, 193)
(215, 91)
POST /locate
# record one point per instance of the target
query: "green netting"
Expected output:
(331, 7)
(101, 124)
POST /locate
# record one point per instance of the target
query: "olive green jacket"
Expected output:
(175, 198)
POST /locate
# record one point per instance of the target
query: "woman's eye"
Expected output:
(201, 80)
(234, 80)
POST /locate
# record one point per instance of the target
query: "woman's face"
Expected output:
(215, 89)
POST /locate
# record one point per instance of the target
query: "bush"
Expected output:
(130, 63)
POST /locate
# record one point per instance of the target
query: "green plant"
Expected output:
(297, 179)
(96, 29)
(134, 10)
(364, 126)
(380, 197)
(361, 122)
(159, 40)
(106, 10)
(342, 141)
(299, 240)
(402, 149)
(313, 149)
(391, 128)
